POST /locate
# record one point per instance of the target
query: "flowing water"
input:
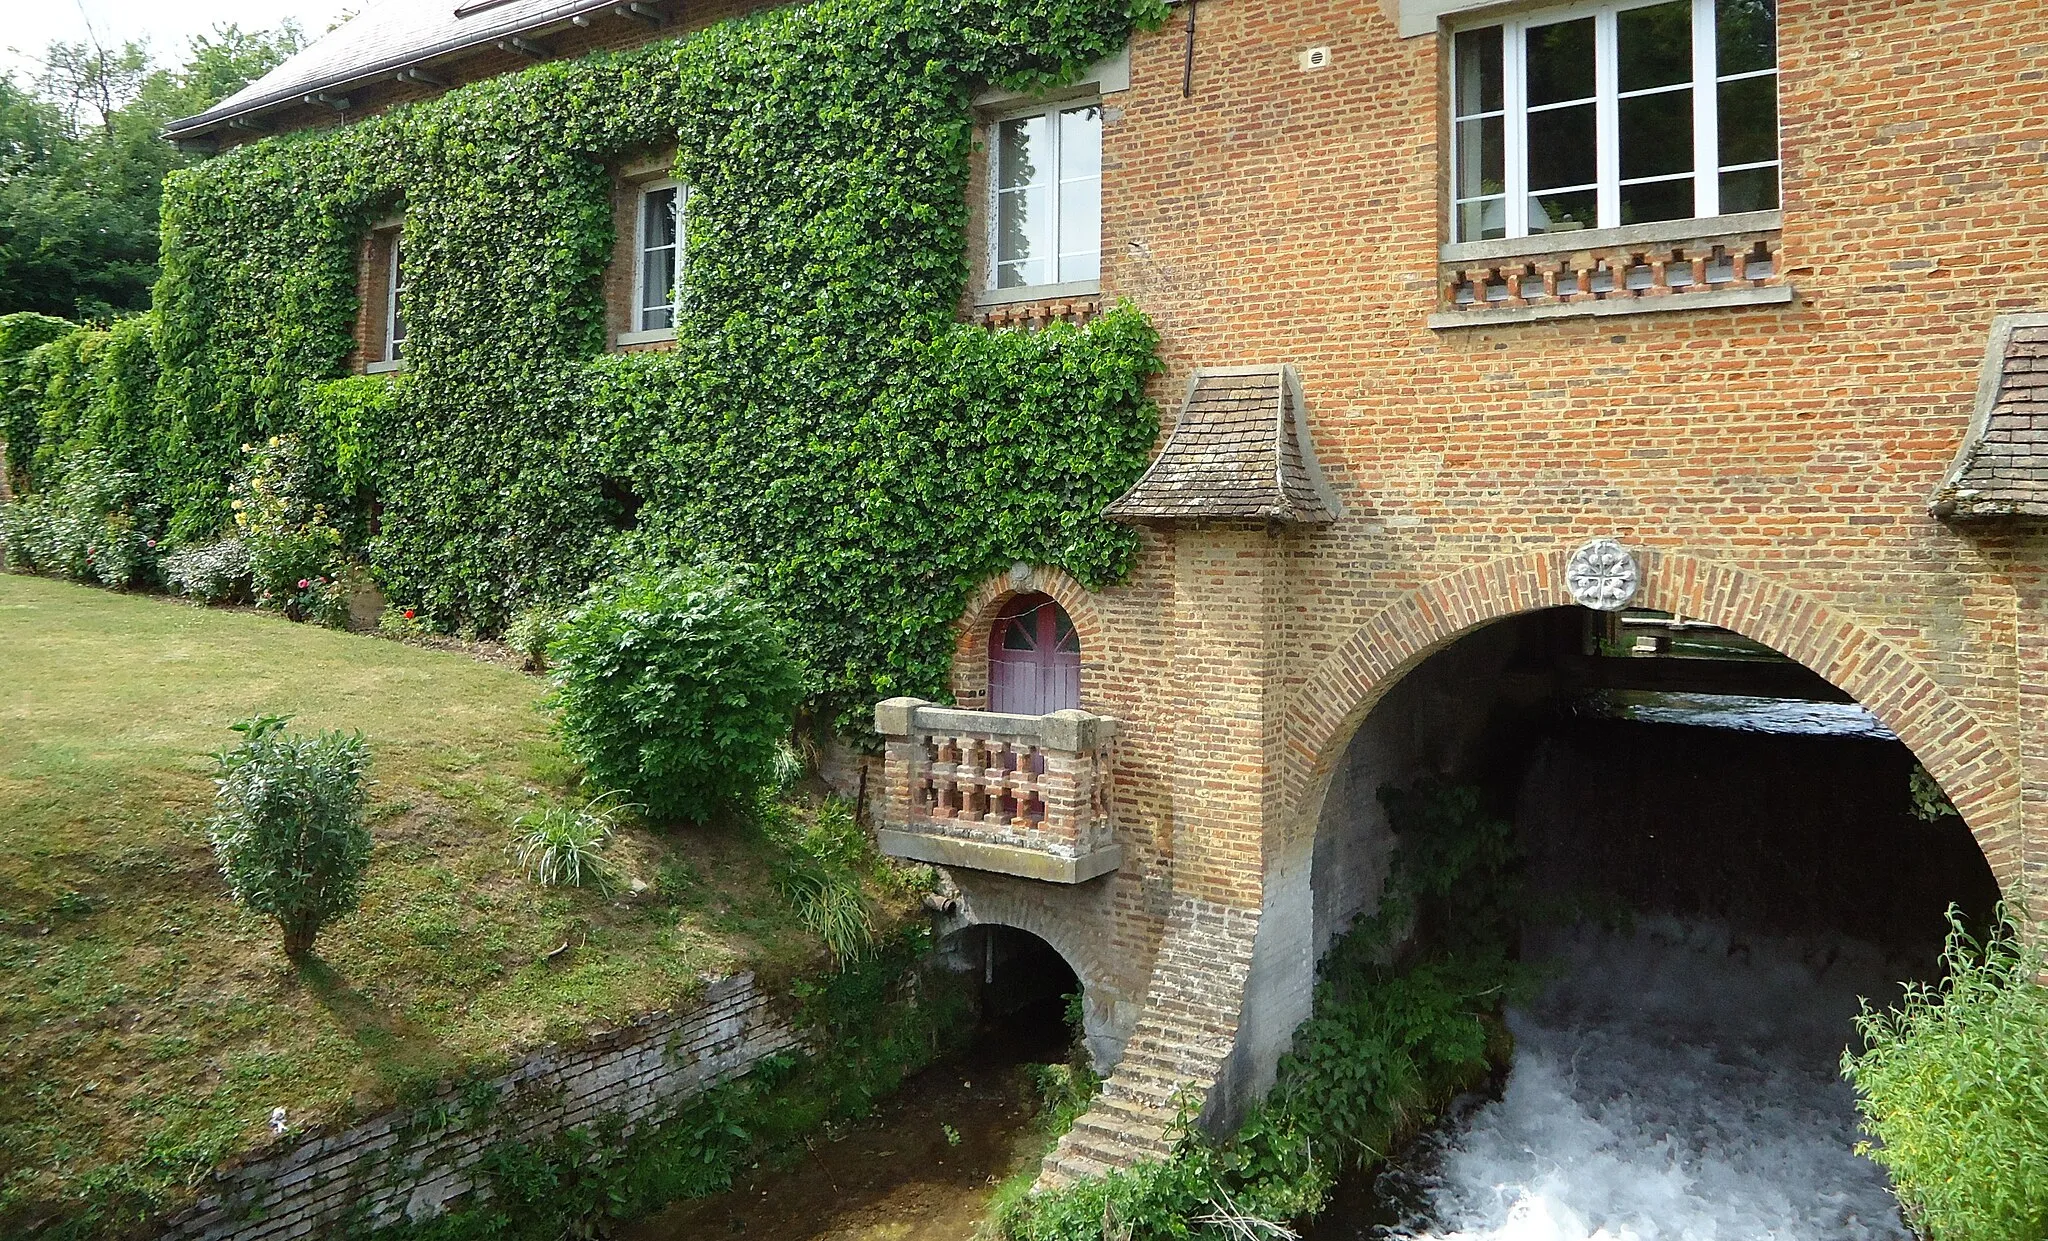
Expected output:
(1676, 1082)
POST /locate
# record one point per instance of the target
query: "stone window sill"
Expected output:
(1711, 299)
(384, 366)
(1038, 293)
(648, 337)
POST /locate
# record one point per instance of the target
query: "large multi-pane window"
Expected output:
(1047, 183)
(659, 278)
(1603, 115)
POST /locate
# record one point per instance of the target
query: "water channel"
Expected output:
(1675, 1080)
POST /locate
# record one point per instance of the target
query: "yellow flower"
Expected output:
(241, 519)
(238, 504)
(274, 441)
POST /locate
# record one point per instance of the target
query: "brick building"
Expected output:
(1449, 292)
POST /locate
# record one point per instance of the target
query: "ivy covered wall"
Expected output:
(823, 415)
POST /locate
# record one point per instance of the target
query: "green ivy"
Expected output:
(823, 415)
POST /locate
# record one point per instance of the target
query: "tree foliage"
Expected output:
(82, 163)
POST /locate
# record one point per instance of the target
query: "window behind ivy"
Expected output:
(394, 304)
(1048, 197)
(1604, 115)
(660, 275)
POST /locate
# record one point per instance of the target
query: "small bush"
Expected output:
(674, 685)
(1954, 1087)
(216, 572)
(88, 525)
(563, 846)
(295, 552)
(822, 873)
(288, 825)
(530, 633)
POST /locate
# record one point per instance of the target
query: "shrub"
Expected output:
(1954, 1087)
(216, 572)
(288, 825)
(295, 553)
(530, 633)
(87, 526)
(674, 685)
(563, 846)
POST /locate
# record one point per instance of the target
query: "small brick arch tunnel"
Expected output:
(1030, 996)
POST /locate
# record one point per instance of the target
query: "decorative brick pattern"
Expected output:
(1631, 274)
(1031, 316)
(414, 1164)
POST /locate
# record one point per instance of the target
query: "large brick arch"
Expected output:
(971, 631)
(1957, 749)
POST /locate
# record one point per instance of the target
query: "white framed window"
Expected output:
(394, 304)
(1609, 114)
(658, 267)
(1045, 196)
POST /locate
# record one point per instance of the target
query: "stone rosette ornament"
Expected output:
(1603, 576)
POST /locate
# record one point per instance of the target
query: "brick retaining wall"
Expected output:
(413, 1163)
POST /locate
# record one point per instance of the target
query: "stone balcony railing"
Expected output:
(1021, 795)
(1730, 261)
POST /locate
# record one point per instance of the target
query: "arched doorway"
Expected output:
(1034, 658)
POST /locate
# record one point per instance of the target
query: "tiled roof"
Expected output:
(1240, 449)
(386, 36)
(2002, 470)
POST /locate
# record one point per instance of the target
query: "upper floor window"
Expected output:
(394, 303)
(1604, 115)
(658, 275)
(1046, 178)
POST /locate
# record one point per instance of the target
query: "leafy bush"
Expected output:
(288, 825)
(530, 633)
(88, 525)
(1954, 1087)
(563, 846)
(674, 685)
(216, 572)
(295, 554)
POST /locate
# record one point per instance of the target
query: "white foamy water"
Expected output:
(1674, 1084)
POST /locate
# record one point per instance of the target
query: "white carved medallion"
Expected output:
(1603, 576)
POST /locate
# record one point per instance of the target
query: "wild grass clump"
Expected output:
(1953, 1087)
(288, 825)
(676, 686)
(825, 863)
(564, 846)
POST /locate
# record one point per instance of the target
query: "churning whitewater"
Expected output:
(1674, 1082)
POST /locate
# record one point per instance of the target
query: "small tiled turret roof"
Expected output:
(2002, 470)
(1240, 449)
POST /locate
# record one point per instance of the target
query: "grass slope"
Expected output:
(148, 1026)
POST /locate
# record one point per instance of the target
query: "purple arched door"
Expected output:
(1034, 658)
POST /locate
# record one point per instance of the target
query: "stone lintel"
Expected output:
(1001, 859)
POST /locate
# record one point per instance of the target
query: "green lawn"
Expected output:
(149, 1026)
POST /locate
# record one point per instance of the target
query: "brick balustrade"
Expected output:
(1566, 277)
(1019, 794)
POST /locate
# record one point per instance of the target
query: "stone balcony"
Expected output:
(1025, 795)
